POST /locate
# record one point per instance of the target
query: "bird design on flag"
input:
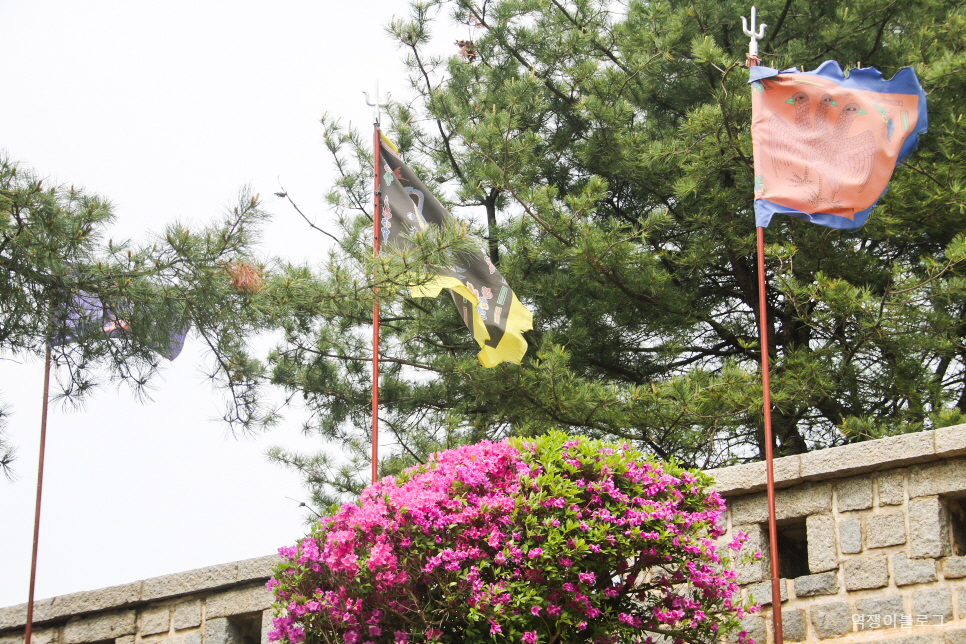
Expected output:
(828, 155)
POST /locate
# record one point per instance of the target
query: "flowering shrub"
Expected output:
(557, 539)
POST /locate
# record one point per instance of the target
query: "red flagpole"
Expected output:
(377, 213)
(40, 485)
(776, 596)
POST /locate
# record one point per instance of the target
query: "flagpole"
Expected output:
(377, 213)
(754, 34)
(40, 484)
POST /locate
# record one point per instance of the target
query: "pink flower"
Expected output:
(586, 577)
(495, 628)
(534, 553)
(535, 611)
(530, 637)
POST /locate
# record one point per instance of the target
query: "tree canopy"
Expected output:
(56, 265)
(604, 150)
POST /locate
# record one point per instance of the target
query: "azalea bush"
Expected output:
(557, 539)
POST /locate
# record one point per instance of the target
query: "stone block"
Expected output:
(862, 574)
(854, 493)
(155, 620)
(884, 530)
(187, 614)
(930, 536)
(259, 568)
(101, 627)
(267, 616)
(191, 581)
(751, 477)
(954, 568)
(932, 606)
(850, 536)
(885, 453)
(95, 600)
(222, 631)
(874, 613)
(793, 626)
(913, 571)
(951, 441)
(49, 636)
(913, 639)
(826, 583)
(831, 620)
(955, 637)
(43, 636)
(793, 503)
(937, 478)
(892, 489)
(253, 599)
(193, 638)
(125, 639)
(755, 626)
(762, 592)
(820, 531)
(754, 571)
(16, 615)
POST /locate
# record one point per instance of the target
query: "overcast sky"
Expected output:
(167, 109)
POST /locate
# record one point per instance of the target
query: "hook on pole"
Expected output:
(755, 34)
(377, 104)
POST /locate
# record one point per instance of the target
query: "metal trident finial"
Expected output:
(376, 112)
(752, 34)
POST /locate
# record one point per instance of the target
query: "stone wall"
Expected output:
(225, 604)
(871, 538)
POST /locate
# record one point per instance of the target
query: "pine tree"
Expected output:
(604, 147)
(53, 250)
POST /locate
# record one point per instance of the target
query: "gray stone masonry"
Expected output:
(156, 620)
(936, 478)
(892, 490)
(862, 574)
(101, 627)
(850, 536)
(840, 462)
(187, 614)
(821, 543)
(878, 539)
(789, 504)
(886, 530)
(954, 567)
(962, 603)
(854, 494)
(913, 571)
(753, 571)
(221, 631)
(831, 620)
(793, 626)
(930, 536)
(199, 608)
(826, 583)
(956, 637)
(932, 606)
(762, 591)
(755, 626)
(877, 612)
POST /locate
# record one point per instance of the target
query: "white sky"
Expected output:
(167, 109)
